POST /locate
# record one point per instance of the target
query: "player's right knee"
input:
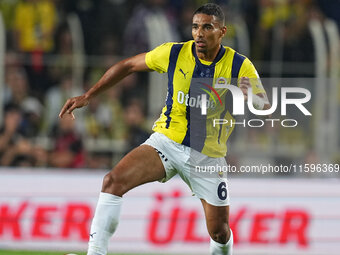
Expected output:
(220, 235)
(112, 185)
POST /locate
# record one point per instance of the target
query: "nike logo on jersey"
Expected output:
(184, 74)
(93, 234)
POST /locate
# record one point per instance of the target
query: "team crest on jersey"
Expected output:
(220, 83)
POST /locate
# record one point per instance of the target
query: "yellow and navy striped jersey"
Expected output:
(188, 77)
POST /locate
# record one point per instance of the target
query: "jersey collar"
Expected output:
(217, 58)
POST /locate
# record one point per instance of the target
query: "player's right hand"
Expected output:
(73, 103)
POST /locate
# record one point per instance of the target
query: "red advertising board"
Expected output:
(52, 210)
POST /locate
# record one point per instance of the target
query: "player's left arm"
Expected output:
(250, 78)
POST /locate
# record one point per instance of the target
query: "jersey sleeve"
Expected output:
(248, 70)
(158, 58)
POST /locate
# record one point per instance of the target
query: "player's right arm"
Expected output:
(112, 76)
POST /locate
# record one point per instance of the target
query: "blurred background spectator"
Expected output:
(16, 148)
(68, 151)
(55, 98)
(18, 93)
(33, 31)
(136, 132)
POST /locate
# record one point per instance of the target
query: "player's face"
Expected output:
(207, 32)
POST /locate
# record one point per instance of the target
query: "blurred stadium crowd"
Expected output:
(39, 69)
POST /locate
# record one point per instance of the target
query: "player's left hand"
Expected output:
(244, 85)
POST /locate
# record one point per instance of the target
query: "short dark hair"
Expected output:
(211, 9)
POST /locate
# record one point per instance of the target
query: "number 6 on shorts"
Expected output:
(222, 191)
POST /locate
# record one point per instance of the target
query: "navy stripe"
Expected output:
(236, 66)
(237, 63)
(235, 70)
(186, 140)
(171, 70)
(196, 122)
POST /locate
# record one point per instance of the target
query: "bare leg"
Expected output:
(141, 165)
(217, 220)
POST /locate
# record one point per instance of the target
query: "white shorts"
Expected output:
(204, 175)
